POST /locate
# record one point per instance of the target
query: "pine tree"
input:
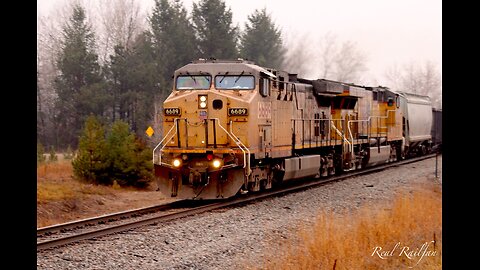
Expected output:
(173, 36)
(119, 156)
(134, 83)
(129, 160)
(80, 86)
(213, 25)
(120, 83)
(91, 163)
(261, 41)
(40, 115)
(148, 82)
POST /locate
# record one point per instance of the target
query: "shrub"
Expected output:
(119, 157)
(53, 155)
(129, 158)
(91, 162)
(40, 153)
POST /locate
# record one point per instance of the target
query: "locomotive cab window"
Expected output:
(380, 96)
(235, 82)
(191, 82)
(264, 87)
(390, 101)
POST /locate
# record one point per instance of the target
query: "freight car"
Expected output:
(234, 127)
(437, 130)
(417, 123)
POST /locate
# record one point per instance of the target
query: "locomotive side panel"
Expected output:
(282, 127)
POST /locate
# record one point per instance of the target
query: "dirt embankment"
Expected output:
(61, 198)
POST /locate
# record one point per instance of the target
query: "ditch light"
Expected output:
(217, 163)
(177, 162)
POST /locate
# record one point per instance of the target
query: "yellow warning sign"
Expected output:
(149, 131)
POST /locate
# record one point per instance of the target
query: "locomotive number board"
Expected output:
(171, 111)
(237, 111)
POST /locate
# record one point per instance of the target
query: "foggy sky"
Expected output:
(388, 31)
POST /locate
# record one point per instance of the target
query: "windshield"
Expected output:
(234, 82)
(188, 82)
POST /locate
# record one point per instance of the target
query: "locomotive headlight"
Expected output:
(177, 162)
(202, 102)
(217, 163)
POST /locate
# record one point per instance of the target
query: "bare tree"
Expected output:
(327, 52)
(432, 79)
(331, 59)
(422, 79)
(341, 61)
(118, 23)
(349, 63)
(49, 35)
(298, 58)
(393, 76)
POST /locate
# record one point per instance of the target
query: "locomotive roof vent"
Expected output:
(214, 60)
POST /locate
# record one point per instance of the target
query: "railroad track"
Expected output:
(185, 208)
(77, 224)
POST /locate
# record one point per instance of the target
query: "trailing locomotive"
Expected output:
(233, 126)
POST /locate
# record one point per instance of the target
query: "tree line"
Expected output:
(131, 82)
(118, 68)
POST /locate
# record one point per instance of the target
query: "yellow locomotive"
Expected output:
(233, 126)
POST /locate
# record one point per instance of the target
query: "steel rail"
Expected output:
(108, 217)
(222, 204)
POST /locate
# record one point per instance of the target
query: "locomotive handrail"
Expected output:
(343, 136)
(246, 152)
(175, 121)
(328, 121)
(367, 120)
(238, 142)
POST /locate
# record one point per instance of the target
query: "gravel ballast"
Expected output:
(235, 238)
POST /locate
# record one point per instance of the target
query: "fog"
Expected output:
(387, 32)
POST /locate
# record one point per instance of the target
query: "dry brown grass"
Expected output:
(55, 182)
(61, 198)
(54, 170)
(357, 240)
